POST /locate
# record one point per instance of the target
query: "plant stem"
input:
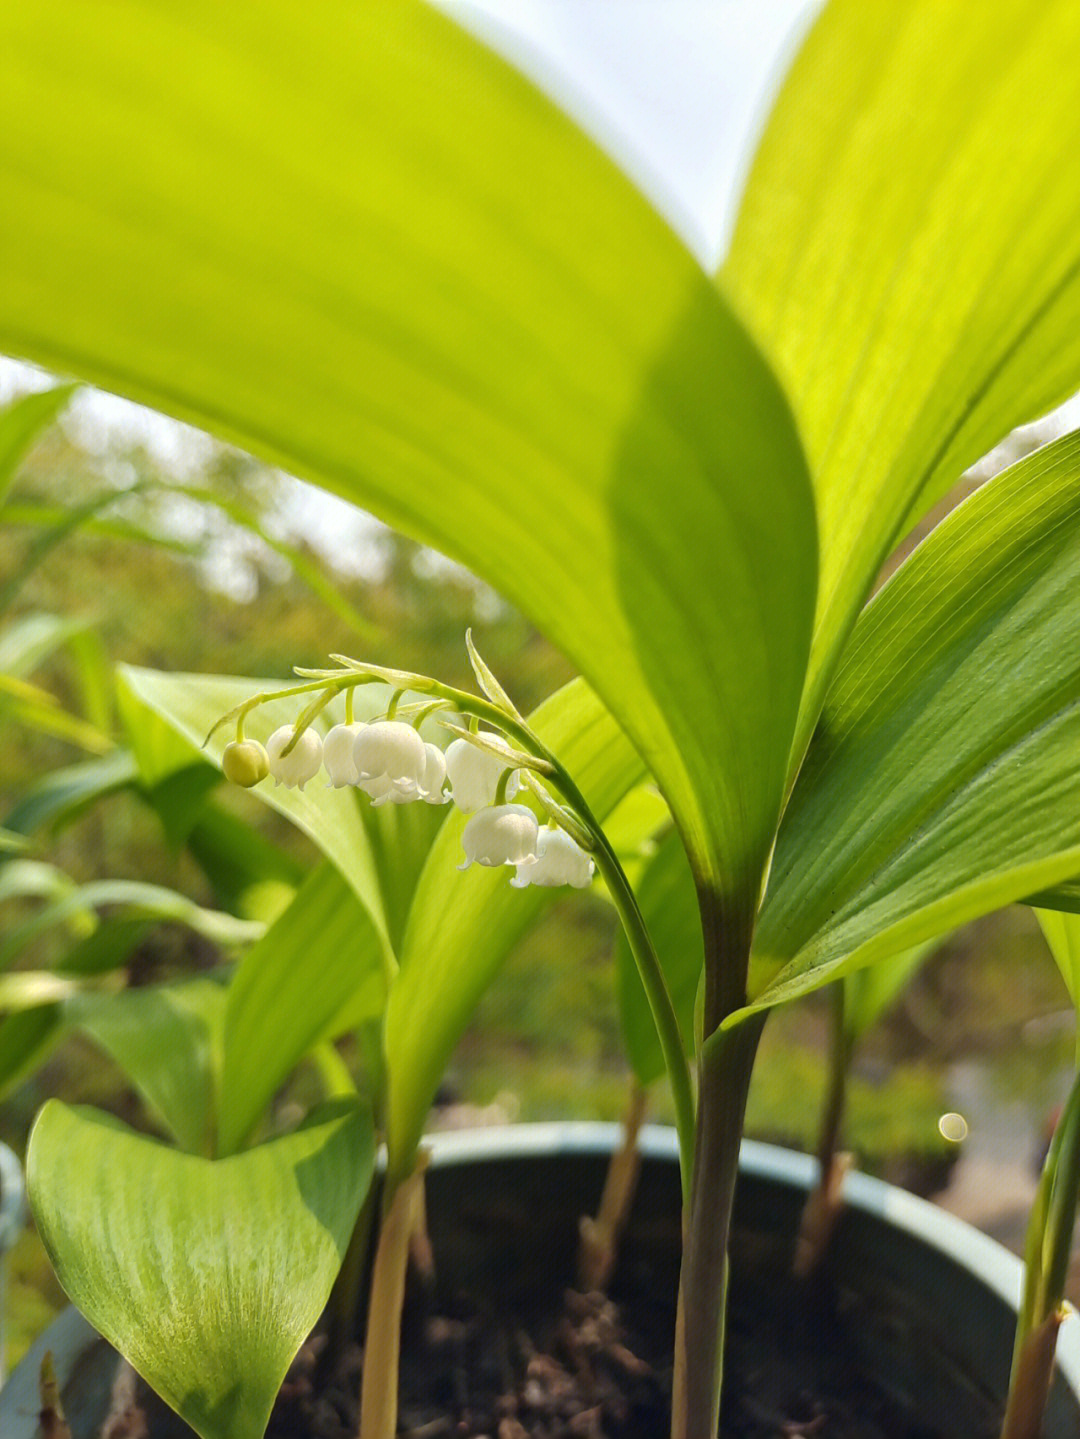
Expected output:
(724, 1070)
(1046, 1254)
(600, 1236)
(382, 1340)
(823, 1202)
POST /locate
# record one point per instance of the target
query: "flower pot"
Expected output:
(924, 1304)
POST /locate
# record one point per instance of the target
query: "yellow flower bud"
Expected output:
(245, 762)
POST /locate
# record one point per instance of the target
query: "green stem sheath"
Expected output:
(723, 1082)
(1049, 1242)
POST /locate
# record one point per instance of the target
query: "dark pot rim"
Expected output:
(940, 1232)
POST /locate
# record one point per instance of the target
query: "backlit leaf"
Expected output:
(210, 1290)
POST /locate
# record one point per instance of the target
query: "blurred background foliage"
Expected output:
(197, 558)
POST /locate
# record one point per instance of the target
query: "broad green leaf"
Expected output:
(210, 1289)
(179, 800)
(668, 901)
(1064, 897)
(908, 254)
(35, 708)
(462, 926)
(415, 281)
(943, 780)
(318, 970)
(33, 988)
(193, 703)
(1062, 933)
(27, 1038)
(109, 946)
(167, 1040)
(869, 992)
(137, 900)
(251, 876)
(60, 797)
(20, 424)
(29, 640)
(33, 879)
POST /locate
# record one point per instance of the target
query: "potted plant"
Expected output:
(456, 311)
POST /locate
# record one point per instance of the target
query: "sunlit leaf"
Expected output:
(167, 1040)
(1062, 933)
(211, 1289)
(61, 796)
(869, 992)
(318, 970)
(943, 780)
(138, 900)
(908, 253)
(669, 903)
(251, 876)
(415, 281)
(20, 424)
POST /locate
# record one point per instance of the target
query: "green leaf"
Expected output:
(28, 641)
(210, 1287)
(36, 709)
(34, 988)
(60, 797)
(1064, 897)
(1062, 933)
(668, 901)
(462, 926)
(568, 421)
(33, 879)
(138, 900)
(20, 424)
(869, 992)
(942, 781)
(167, 1040)
(317, 971)
(251, 875)
(193, 703)
(27, 1038)
(908, 253)
(109, 945)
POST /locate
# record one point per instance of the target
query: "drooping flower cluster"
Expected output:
(392, 763)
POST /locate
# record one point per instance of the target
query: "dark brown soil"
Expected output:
(506, 1351)
(601, 1370)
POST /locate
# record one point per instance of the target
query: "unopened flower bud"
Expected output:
(245, 762)
(504, 834)
(301, 763)
(474, 776)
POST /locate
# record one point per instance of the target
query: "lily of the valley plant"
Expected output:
(357, 242)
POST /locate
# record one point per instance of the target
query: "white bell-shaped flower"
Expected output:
(300, 764)
(560, 860)
(504, 834)
(337, 755)
(390, 759)
(474, 776)
(434, 776)
(385, 791)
